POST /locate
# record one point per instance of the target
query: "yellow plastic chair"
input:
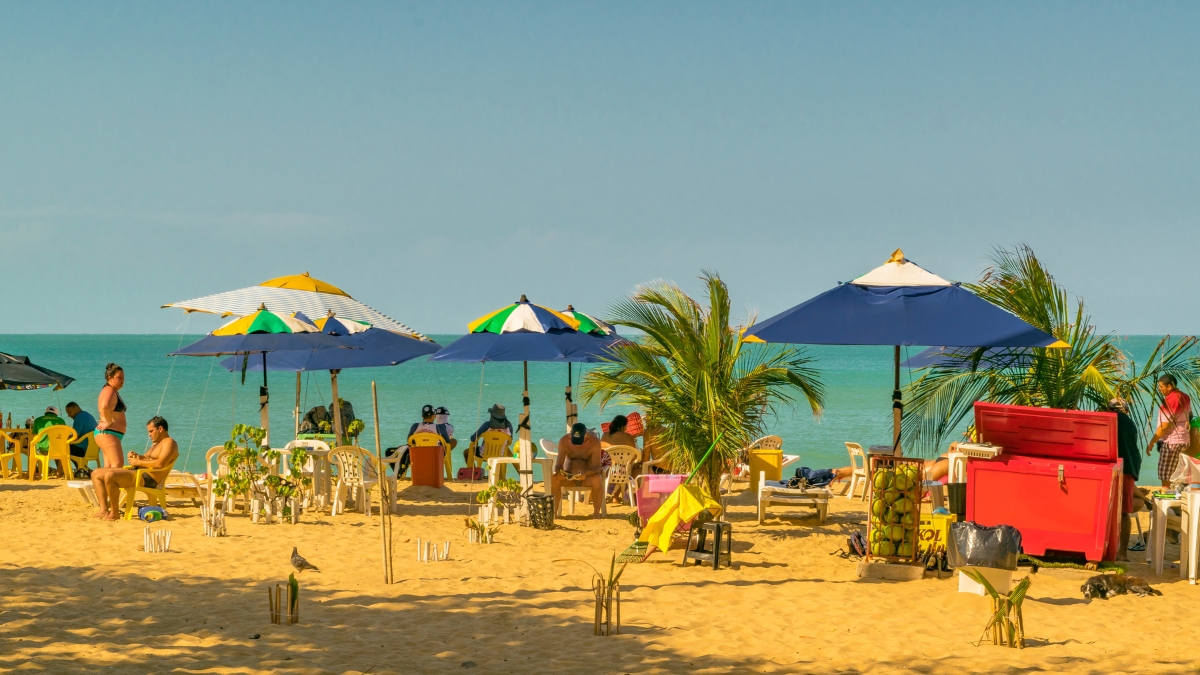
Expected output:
(92, 454)
(155, 496)
(60, 438)
(428, 439)
(496, 443)
(10, 460)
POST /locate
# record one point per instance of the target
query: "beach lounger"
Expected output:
(816, 497)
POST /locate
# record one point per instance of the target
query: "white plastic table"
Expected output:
(1189, 523)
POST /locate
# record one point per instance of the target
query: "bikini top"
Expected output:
(120, 407)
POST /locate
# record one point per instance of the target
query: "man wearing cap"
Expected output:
(49, 419)
(428, 423)
(497, 421)
(578, 465)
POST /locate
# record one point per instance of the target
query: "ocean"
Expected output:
(202, 401)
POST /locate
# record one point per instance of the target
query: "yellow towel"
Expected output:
(684, 504)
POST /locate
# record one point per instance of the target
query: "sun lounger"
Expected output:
(816, 497)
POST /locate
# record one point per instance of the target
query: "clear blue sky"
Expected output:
(438, 160)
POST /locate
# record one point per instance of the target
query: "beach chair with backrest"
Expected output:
(92, 454)
(497, 444)
(60, 438)
(618, 479)
(156, 496)
(220, 455)
(428, 439)
(10, 458)
(858, 463)
(374, 473)
(352, 479)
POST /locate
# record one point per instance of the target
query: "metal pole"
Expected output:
(264, 406)
(897, 407)
(524, 443)
(296, 411)
(337, 407)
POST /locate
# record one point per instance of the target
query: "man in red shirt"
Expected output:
(1174, 428)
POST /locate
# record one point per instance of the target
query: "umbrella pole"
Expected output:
(897, 406)
(264, 405)
(296, 410)
(337, 407)
(572, 415)
(524, 444)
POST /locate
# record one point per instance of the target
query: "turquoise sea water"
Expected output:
(202, 401)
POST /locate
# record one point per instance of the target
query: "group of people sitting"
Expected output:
(81, 421)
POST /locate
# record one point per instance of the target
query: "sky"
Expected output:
(437, 160)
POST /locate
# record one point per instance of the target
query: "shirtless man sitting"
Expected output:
(578, 464)
(108, 482)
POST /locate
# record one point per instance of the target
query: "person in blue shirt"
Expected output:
(497, 421)
(83, 423)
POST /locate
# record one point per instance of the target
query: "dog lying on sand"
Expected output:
(1105, 586)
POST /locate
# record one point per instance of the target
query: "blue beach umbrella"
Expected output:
(527, 332)
(261, 333)
(900, 304)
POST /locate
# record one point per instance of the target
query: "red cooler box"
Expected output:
(1057, 479)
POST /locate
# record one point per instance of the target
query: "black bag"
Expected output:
(973, 545)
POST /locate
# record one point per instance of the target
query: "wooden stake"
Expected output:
(385, 502)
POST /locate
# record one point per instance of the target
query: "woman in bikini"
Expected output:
(111, 428)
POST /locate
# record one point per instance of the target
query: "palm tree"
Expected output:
(1084, 377)
(691, 373)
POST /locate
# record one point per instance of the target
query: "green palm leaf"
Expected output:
(691, 373)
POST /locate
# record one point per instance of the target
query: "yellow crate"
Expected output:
(934, 531)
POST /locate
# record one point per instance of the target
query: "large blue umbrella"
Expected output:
(900, 304)
(363, 347)
(527, 332)
(958, 357)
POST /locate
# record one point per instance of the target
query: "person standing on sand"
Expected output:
(111, 428)
(108, 482)
(1174, 428)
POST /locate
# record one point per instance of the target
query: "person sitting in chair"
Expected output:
(497, 421)
(109, 481)
(83, 423)
(578, 465)
(49, 419)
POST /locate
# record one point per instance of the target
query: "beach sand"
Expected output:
(78, 595)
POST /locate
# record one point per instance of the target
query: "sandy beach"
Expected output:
(80, 596)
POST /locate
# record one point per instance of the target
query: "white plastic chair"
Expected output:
(858, 475)
(218, 453)
(623, 457)
(352, 479)
(571, 493)
(316, 469)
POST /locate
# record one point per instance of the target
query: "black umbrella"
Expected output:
(16, 372)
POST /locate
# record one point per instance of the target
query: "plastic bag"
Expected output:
(973, 545)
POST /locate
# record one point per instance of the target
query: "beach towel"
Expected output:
(684, 504)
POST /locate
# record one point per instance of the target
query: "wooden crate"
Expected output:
(911, 490)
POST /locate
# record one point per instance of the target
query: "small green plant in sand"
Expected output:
(507, 493)
(480, 533)
(249, 474)
(1006, 625)
(607, 590)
